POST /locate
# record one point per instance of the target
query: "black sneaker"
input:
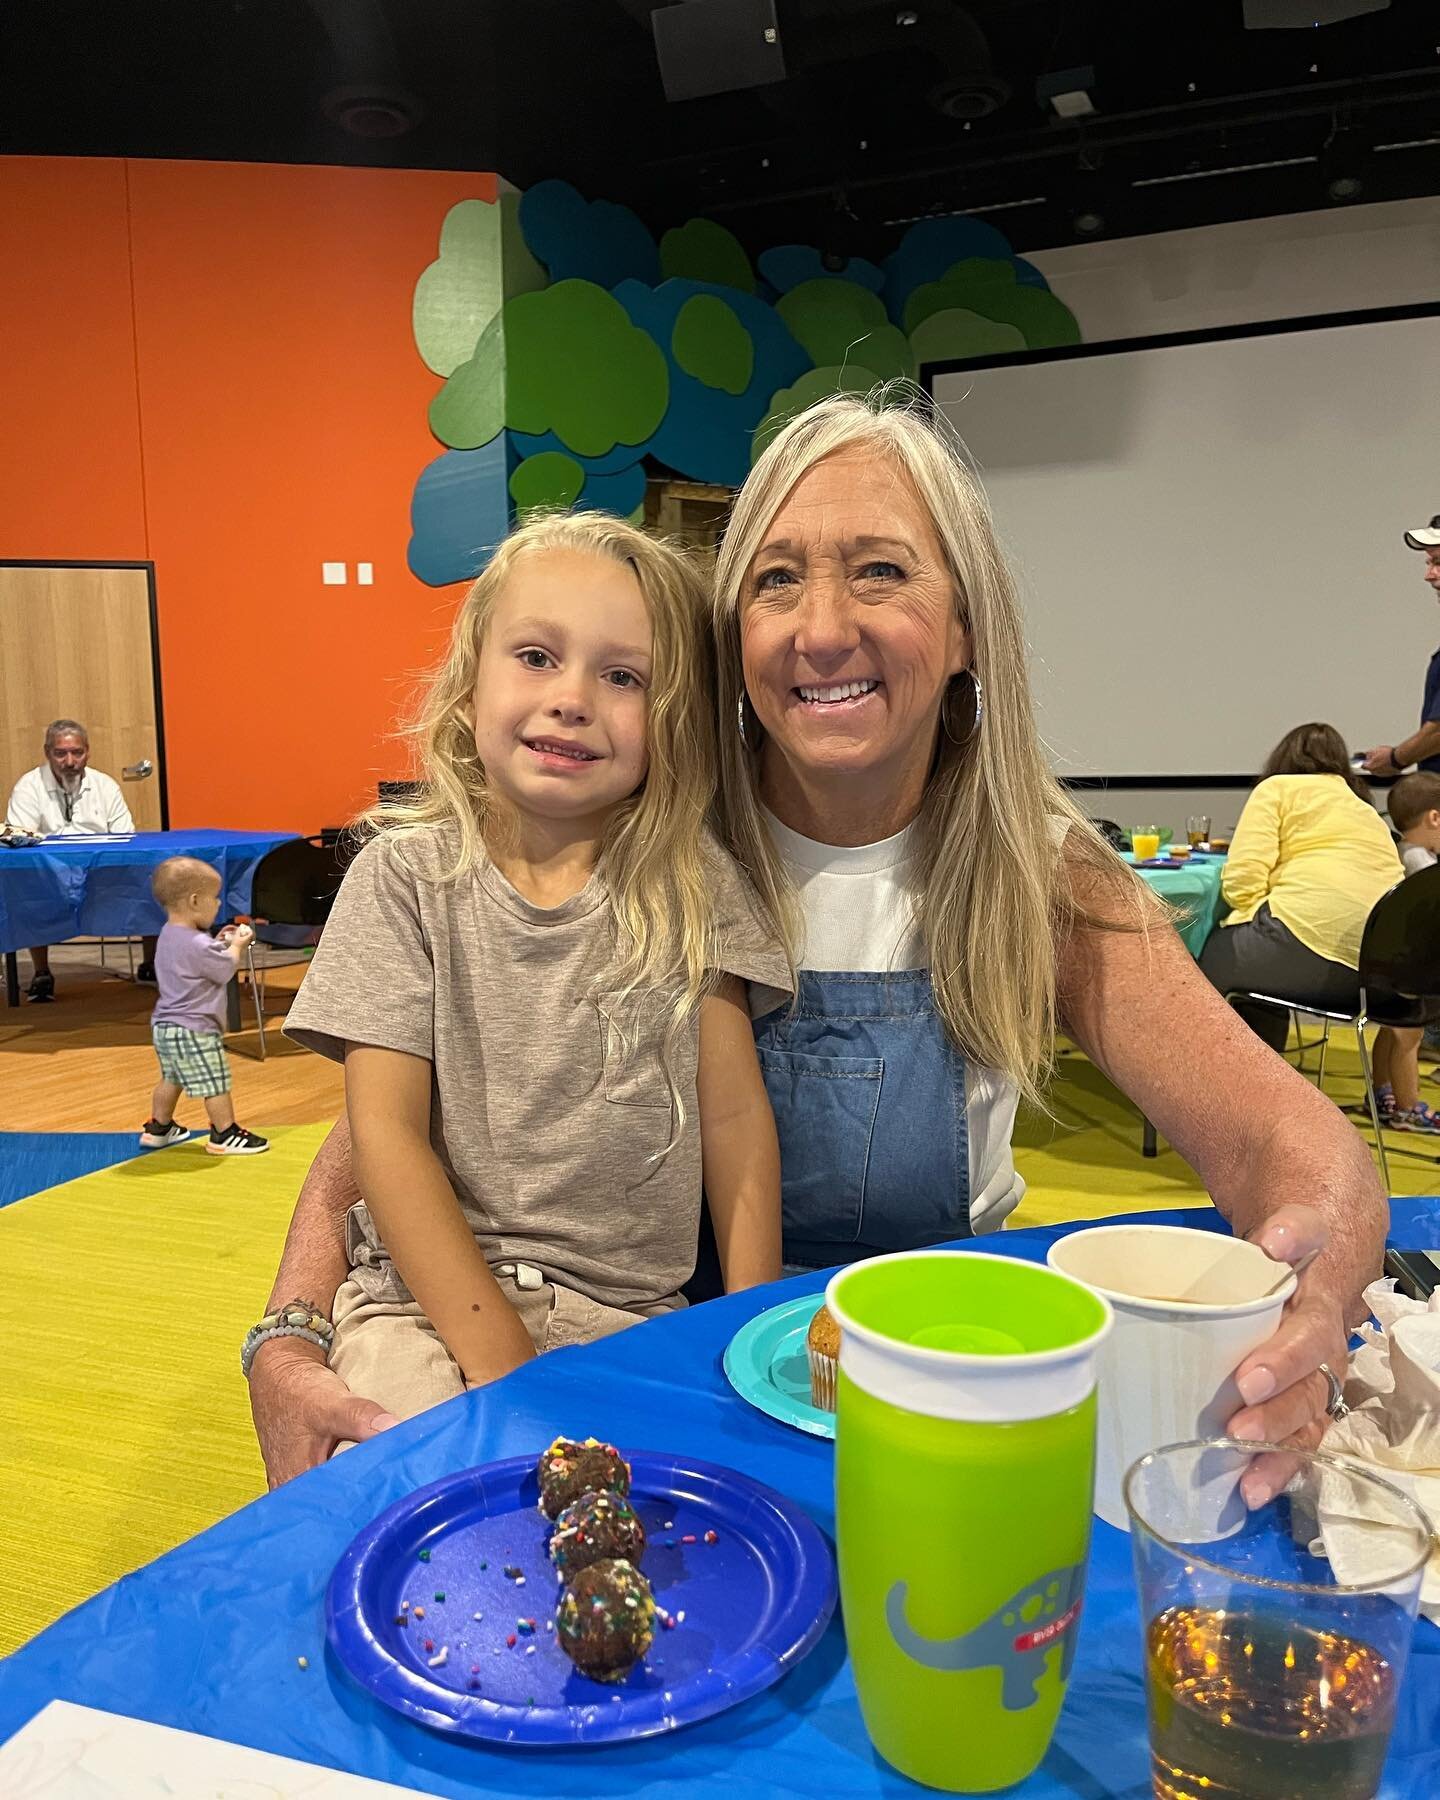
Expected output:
(146, 973)
(154, 1135)
(237, 1141)
(41, 988)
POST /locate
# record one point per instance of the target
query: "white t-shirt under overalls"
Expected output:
(858, 916)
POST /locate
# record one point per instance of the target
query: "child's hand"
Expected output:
(240, 935)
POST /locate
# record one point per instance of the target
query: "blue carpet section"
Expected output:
(32, 1160)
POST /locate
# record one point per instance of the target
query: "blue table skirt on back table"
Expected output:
(79, 887)
(207, 1637)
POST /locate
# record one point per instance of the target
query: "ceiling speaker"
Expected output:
(716, 46)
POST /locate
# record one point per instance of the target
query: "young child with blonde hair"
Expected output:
(1414, 809)
(534, 974)
(192, 972)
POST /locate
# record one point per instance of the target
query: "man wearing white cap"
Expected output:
(1422, 746)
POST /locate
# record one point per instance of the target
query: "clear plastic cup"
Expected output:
(1273, 1653)
(1145, 842)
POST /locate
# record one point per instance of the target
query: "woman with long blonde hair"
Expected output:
(884, 786)
(947, 907)
(533, 974)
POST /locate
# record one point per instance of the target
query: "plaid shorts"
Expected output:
(193, 1060)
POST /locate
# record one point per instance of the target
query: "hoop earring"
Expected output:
(974, 730)
(744, 715)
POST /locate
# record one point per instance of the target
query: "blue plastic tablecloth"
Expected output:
(207, 1637)
(80, 887)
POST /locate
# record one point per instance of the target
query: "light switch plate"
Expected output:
(365, 574)
(333, 574)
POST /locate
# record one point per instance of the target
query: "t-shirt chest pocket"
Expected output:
(632, 1032)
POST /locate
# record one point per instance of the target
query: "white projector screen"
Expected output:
(1207, 535)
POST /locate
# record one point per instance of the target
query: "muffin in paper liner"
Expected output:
(822, 1380)
(822, 1346)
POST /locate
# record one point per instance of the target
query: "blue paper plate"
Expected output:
(755, 1602)
(766, 1364)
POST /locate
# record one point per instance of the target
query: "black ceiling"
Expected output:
(868, 129)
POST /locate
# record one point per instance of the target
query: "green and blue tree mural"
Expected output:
(573, 350)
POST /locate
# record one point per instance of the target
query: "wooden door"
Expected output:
(77, 641)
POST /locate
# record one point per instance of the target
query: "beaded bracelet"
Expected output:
(297, 1318)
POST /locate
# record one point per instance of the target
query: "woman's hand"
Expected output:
(302, 1409)
(1256, 1132)
(1283, 1386)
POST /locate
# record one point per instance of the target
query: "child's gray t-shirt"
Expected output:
(547, 1121)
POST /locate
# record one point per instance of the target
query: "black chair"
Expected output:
(295, 886)
(400, 791)
(296, 882)
(1399, 979)
(1114, 835)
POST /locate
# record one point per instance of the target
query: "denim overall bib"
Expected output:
(869, 1101)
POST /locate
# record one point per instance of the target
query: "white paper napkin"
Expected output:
(70, 1752)
(1393, 1391)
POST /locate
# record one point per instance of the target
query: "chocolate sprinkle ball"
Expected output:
(595, 1529)
(605, 1621)
(569, 1469)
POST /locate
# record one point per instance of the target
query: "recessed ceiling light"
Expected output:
(372, 111)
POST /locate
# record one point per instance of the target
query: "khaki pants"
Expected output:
(387, 1350)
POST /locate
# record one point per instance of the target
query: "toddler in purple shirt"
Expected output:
(192, 971)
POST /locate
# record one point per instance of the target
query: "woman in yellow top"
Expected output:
(1309, 859)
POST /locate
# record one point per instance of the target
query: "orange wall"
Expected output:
(276, 420)
(69, 417)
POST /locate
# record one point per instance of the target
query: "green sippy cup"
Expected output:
(964, 1478)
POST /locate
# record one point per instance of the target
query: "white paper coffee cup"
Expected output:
(1189, 1307)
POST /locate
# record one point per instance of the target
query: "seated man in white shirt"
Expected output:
(65, 797)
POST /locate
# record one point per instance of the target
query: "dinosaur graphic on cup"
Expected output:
(1015, 1639)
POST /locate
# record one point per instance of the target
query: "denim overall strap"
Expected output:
(869, 1100)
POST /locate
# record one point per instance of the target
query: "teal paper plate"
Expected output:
(766, 1364)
